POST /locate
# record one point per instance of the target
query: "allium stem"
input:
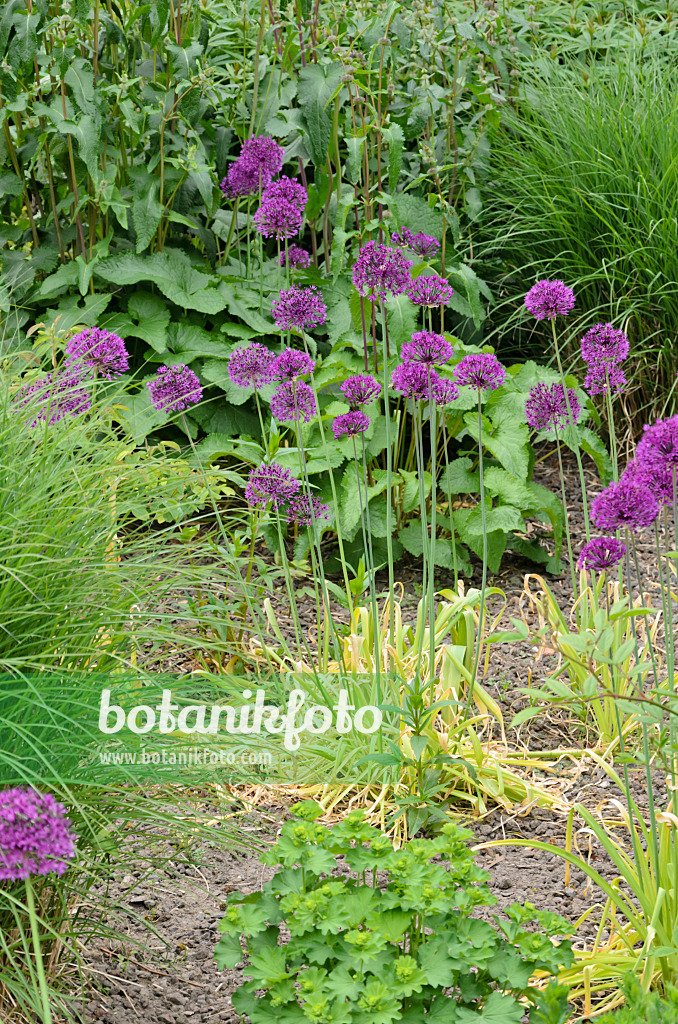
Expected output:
(234, 218)
(367, 542)
(448, 494)
(39, 965)
(568, 535)
(667, 615)
(432, 567)
(577, 453)
(389, 483)
(610, 427)
(483, 520)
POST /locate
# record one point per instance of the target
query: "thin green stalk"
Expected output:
(568, 534)
(577, 453)
(389, 481)
(448, 494)
(483, 521)
(39, 965)
(369, 553)
(432, 567)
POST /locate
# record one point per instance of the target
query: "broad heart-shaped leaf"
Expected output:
(508, 441)
(153, 315)
(74, 310)
(63, 278)
(462, 276)
(499, 1009)
(171, 271)
(216, 371)
(436, 962)
(503, 517)
(415, 213)
(548, 502)
(317, 85)
(458, 477)
(228, 952)
(350, 500)
(243, 301)
(496, 542)
(510, 491)
(268, 966)
(10, 185)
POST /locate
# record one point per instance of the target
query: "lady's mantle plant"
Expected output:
(399, 946)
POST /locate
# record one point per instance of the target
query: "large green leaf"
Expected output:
(171, 271)
(146, 216)
(508, 441)
(80, 80)
(317, 86)
(86, 133)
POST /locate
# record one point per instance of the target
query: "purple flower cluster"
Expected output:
(291, 364)
(415, 380)
(103, 352)
(295, 256)
(281, 212)
(174, 388)
(360, 390)
(252, 366)
(430, 291)
(35, 835)
(56, 395)
(299, 308)
(423, 245)
(445, 392)
(603, 348)
(481, 371)
(260, 159)
(427, 347)
(546, 407)
(273, 484)
(380, 270)
(294, 401)
(350, 424)
(548, 299)
(656, 478)
(627, 504)
(658, 447)
(601, 554)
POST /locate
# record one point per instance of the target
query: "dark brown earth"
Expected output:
(171, 979)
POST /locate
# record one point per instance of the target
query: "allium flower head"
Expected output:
(291, 364)
(293, 401)
(35, 835)
(379, 270)
(430, 291)
(403, 238)
(548, 299)
(56, 395)
(601, 376)
(299, 307)
(425, 246)
(658, 479)
(427, 347)
(360, 390)
(271, 483)
(252, 366)
(281, 212)
(546, 407)
(295, 256)
(481, 371)
(304, 511)
(102, 351)
(445, 392)
(174, 388)
(658, 447)
(601, 554)
(604, 344)
(260, 159)
(627, 504)
(350, 424)
(415, 380)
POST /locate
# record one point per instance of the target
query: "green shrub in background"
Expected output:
(584, 188)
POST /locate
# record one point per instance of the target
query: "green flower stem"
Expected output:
(568, 534)
(448, 495)
(432, 566)
(389, 482)
(367, 541)
(483, 521)
(234, 218)
(577, 453)
(39, 965)
(425, 553)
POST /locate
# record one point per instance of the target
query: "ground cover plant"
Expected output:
(250, 361)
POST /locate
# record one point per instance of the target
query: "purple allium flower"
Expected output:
(379, 270)
(299, 307)
(430, 291)
(658, 479)
(601, 554)
(425, 246)
(252, 366)
(658, 447)
(295, 256)
(291, 364)
(281, 212)
(260, 159)
(604, 344)
(427, 347)
(360, 390)
(626, 504)
(350, 424)
(445, 391)
(415, 380)
(35, 835)
(174, 388)
(600, 376)
(271, 483)
(546, 407)
(294, 400)
(102, 351)
(403, 238)
(57, 395)
(482, 372)
(548, 299)
(303, 511)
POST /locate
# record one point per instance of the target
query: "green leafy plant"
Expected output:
(641, 1006)
(405, 948)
